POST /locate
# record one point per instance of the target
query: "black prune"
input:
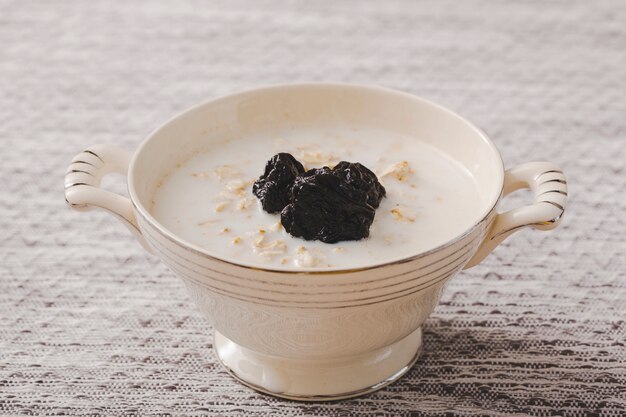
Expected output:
(273, 188)
(324, 207)
(363, 180)
(312, 176)
(324, 204)
(308, 176)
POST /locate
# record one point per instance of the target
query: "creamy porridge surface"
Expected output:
(208, 201)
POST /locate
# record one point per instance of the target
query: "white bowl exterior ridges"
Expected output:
(321, 315)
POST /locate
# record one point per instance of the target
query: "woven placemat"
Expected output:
(91, 325)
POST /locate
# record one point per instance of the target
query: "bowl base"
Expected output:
(319, 379)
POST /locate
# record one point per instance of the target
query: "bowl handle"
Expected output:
(82, 185)
(549, 186)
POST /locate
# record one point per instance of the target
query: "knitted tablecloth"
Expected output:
(92, 325)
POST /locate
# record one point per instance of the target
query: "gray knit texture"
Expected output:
(92, 325)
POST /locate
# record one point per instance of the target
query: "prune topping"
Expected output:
(324, 208)
(362, 179)
(308, 176)
(273, 188)
(324, 204)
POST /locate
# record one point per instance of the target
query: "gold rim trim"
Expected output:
(463, 257)
(94, 154)
(250, 298)
(298, 304)
(76, 171)
(553, 191)
(421, 255)
(163, 248)
(82, 162)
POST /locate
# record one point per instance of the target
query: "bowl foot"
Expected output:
(320, 379)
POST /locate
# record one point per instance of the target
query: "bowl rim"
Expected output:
(139, 207)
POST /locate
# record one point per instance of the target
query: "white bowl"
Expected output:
(323, 334)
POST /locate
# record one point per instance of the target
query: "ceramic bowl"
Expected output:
(317, 334)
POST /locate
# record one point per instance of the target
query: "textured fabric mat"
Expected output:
(91, 325)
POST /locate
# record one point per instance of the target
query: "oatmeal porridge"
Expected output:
(208, 200)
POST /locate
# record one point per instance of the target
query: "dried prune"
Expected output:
(361, 179)
(308, 176)
(324, 204)
(273, 188)
(325, 207)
